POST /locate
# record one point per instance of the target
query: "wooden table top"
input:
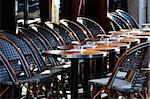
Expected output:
(74, 53)
(126, 40)
(84, 54)
(146, 24)
(102, 48)
(142, 34)
(119, 44)
(131, 32)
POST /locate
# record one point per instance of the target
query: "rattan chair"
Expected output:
(118, 21)
(116, 14)
(34, 31)
(112, 26)
(90, 35)
(129, 19)
(53, 38)
(80, 32)
(67, 36)
(24, 70)
(71, 31)
(34, 57)
(8, 80)
(28, 52)
(41, 44)
(94, 27)
(133, 59)
(31, 52)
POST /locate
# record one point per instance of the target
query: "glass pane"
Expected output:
(34, 11)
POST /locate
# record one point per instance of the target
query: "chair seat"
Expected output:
(29, 80)
(99, 82)
(51, 71)
(120, 74)
(134, 80)
(125, 86)
(42, 77)
(104, 81)
(63, 66)
(6, 83)
(117, 84)
(121, 85)
(36, 79)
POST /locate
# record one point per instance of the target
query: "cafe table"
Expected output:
(65, 47)
(118, 47)
(146, 27)
(112, 51)
(146, 24)
(118, 32)
(129, 40)
(143, 33)
(75, 55)
(122, 47)
(130, 32)
(142, 38)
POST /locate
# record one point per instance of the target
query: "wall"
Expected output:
(133, 9)
(148, 12)
(137, 8)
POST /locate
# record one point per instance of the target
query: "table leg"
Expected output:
(112, 60)
(122, 50)
(86, 71)
(142, 40)
(74, 78)
(133, 44)
(100, 65)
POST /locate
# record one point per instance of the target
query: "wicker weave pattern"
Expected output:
(90, 24)
(65, 35)
(53, 40)
(12, 56)
(133, 60)
(4, 76)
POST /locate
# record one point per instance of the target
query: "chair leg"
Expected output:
(34, 90)
(131, 96)
(148, 85)
(142, 97)
(63, 85)
(17, 92)
(12, 92)
(97, 94)
(29, 93)
(8, 92)
(48, 92)
(120, 94)
(55, 89)
(3, 90)
(39, 90)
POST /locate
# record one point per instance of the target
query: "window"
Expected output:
(33, 9)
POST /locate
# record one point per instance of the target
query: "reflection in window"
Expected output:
(33, 6)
